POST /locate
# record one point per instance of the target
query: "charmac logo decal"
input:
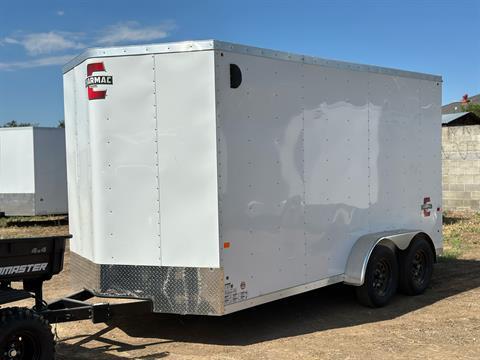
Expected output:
(93, 81)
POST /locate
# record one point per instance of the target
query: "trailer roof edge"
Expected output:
(203, 45)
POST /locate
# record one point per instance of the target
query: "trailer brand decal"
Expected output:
(426, 206)
(92, 81)
(22, 269)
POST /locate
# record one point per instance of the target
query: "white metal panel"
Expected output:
(336, 166)
(395, 169)
(430, 142)
(187, 159)
(339, 151)
(80, 244)
(261, 187)
(79, 169)
(282, 293)
(16, 161)
(50, 171)
(404, 153)
(116, 166)
(124, 165)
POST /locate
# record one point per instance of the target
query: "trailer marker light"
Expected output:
(226, 245)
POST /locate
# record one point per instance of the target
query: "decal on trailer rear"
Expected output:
(92, 81)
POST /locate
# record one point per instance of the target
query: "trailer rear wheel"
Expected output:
(25, 335)
(381, 278)
(416, 267)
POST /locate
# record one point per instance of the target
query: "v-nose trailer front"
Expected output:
(211, 177)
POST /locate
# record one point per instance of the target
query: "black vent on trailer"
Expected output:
(235, 76)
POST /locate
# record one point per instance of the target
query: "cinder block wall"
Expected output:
(461, 167)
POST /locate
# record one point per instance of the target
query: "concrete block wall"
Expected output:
(461, 168)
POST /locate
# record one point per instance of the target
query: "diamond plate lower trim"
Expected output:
(178, 290)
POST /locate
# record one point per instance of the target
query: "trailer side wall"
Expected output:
(313, 157)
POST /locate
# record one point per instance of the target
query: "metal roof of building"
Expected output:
(446, 118)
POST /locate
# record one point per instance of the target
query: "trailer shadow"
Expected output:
(328, 308)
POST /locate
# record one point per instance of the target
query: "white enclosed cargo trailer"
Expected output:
(33, 175)
(212, 177)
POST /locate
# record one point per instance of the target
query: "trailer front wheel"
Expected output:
(381, 278)
(25, 335)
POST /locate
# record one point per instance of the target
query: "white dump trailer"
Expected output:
(33, 175)
(212, 177)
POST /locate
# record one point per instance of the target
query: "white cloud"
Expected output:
(46, 43)
(60, 12)
(9, 40)
(131, 31)
(40, 62)
(57, 42)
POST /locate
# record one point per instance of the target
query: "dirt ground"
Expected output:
(443, 323)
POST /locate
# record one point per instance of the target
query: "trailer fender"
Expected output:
(361, 251)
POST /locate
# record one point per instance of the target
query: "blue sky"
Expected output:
(37, 37)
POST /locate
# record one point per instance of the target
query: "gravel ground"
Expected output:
(443, 323)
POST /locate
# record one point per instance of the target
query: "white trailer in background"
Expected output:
(212, 177)
(33, 175)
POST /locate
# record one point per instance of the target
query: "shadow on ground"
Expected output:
(328, 308)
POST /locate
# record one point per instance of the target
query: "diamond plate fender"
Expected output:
(361, 251)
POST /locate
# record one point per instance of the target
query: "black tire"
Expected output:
(25, 335)
(416, 267)
(381, 278)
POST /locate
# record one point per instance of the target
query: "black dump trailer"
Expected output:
(25, 333)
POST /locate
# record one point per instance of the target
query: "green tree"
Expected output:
(472, 107)
(13, 123)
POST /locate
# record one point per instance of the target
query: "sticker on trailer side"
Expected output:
(232, 295)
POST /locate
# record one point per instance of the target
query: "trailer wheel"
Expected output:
(25, 335)
(381, 278)
(416, 267)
